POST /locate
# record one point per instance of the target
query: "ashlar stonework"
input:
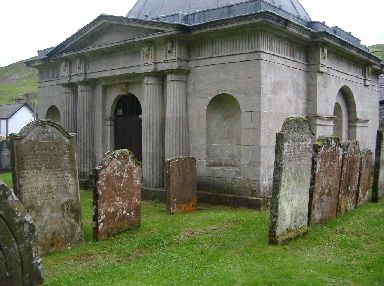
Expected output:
(45, 180)
(378, 174)
(291, 182)
(181, 185)
(117, 194)
(20, 264)
(325, 183)
(349, 177)
(366, 161)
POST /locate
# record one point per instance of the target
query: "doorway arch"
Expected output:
(345, 115)
(127, 125)
(53, 114)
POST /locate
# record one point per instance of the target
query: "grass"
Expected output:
(223, 246)
(377, 50)
(7, 179)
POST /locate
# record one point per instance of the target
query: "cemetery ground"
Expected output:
(223, 246)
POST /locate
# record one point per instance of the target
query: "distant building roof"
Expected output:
(8, 110)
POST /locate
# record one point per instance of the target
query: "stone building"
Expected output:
(210, 79)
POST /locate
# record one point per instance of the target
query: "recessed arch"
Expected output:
(345, 115)
(53, 113)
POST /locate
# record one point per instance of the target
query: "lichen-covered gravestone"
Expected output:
(291, 181)
(378, 174)
(366, 161)
(117, 194)
(20, 264)
(45, 180)
(181, 185)
(349, 177)
(325, 183)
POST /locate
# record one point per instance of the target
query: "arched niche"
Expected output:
(223, 133)
(345, 115)
(53, 113)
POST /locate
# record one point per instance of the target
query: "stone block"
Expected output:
(326, 173)
(378, 173)
(366, 161)
(116, 194)
(181, 185)
(291, 181)
(46, 182)
(20, 263)
(349, 177)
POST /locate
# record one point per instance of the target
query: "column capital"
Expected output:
(152, 79)
(85, 87)
(176, 77)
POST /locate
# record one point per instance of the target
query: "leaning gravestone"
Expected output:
(45, 180)
(20, 264)
(325, 183)
(366, 161)
(349, 177)
(378, 173)
(181, 185)
(116, 195)
(291, 181)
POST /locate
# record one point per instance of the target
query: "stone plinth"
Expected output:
(291, 181)
(181, 185)
(45, 180)
(117, 194)
(20, 263)
(325, 183)
(349, 177)
(378, 173)
(366, 161)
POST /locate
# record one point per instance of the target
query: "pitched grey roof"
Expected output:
(8, 110)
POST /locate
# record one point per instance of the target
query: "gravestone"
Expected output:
(45, 180)
(181, 185)
(378, 173)
(291, 181)
(5, 156)
(325, 183)
(117, 194)
(349, 177)
(20, 263)
(365, 173)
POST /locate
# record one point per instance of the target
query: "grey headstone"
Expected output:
(378, 173)
(366, 161)
(20, 263)
(291, 181)
(45, 180)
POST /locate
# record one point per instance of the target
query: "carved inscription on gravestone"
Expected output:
(349, 177)
(20, 264)
(378, 174)
(117, 194)
(181, 185)
(325, 183)
(45, 180)
(291, 181)
(366, 160)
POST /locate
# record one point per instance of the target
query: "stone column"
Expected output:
(70, 108)
(176, 117)
(153, 133)
(85, 131)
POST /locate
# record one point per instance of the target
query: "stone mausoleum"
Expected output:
(209, 79)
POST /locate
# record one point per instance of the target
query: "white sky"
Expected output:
(30, 25)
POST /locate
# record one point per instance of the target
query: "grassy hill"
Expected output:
(17, 80)
(377, 50)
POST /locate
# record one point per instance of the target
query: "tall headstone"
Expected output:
(349, 177)
(325, 183)
(45, 180)
(291, 181)
(378, 174)
(181, 185)
(366, 161)
(117, 194)
(20, 264)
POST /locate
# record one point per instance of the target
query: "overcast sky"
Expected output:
(30, 25)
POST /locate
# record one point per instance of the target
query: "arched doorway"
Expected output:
(345, 115)
(128, 125)
(53, 114)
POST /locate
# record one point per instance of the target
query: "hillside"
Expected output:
(16, 80)
(377, 50)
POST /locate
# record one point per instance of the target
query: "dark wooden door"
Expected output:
(128, 134)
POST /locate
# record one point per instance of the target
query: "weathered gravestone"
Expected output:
(117, 194)
(325, 183)
(291, 181)
(181, 185)
(378, 173)
(45, 180)
(20, 264)
(365, 173)
(349, 177)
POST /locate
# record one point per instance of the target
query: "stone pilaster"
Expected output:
(153, 133)
(70, 108)
(176, 117)
(85, 131)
